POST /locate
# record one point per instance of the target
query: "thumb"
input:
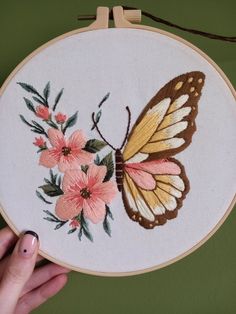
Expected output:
(18, 270)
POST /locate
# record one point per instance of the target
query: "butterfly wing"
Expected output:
(154, 184)
(154, 191)
(167, 123)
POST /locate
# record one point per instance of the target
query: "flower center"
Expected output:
(66, 150)
(85, 193)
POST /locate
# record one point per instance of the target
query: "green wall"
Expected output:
(205, 281)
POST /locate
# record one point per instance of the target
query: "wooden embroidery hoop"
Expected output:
(122, 19)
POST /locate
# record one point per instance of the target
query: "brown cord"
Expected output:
(162, 21)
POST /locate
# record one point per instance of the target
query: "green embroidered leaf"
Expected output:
(60, 224)
(29, 104)
(109, 213)
(51, 190)
(59, 181)
(88, 234)
(41, 149)
(97, 160)
(28, 88)
(84, 229)
(40, 196)
(57, 99)
(106, 226)
(25, 121)
(108, 162)
(70, 122)
(37, 128)
(94, 146)
(80, 233)
(47, 181)
(99, 113)
(32, 90)
(97, 118)
(106, 223)
(71, 230)
(50, 214)
(46, 91)
(50, 219)
(51, 175)
(104, 99)
(53, 218)
(38, 100)
(52, 124)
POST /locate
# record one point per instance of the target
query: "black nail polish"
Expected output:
(34, 234)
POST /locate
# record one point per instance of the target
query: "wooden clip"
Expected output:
(123, 18)
(102, 19)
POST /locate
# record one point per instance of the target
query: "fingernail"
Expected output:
(28, 244)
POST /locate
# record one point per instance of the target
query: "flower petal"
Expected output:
(83, 157)
(56, 138)
(68, 162)
(77, 139)
(94, 209)
(106, 191)
(96, 174)
(74, 180)
(49, 158)
(68, 206)
(74, 162)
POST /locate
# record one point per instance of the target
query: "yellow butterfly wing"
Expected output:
(166, 125)
(164, 128)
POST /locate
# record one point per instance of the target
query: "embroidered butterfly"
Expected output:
(154, 184)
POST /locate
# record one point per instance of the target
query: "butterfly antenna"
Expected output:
(128, 127)
(99, 132)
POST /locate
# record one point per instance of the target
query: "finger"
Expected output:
(5, 261)
(18, 271)
(42, 275)
(33, 299)
(7, 240)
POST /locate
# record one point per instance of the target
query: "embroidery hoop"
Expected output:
(122, 19)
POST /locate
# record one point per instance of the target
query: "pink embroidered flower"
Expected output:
(74, 223)
(39, 141)
(42, 112)
(66, 153)
(60, 117)
(85, 192)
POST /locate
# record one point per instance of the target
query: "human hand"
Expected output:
(22, 286)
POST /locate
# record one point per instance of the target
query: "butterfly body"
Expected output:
(119, 171)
